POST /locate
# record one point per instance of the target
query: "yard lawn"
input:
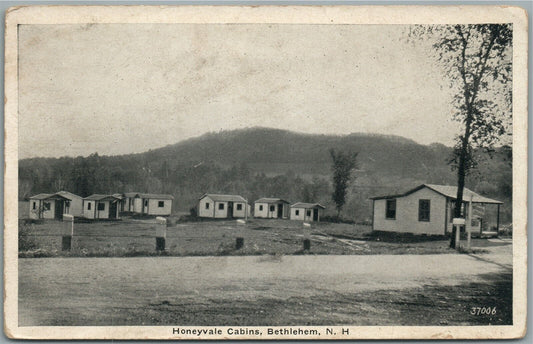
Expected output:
(131, 237)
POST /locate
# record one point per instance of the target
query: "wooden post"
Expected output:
(68, 232)
(306, 234)
(498, 220)
(239, 243)
(469, 223)
(457, 223)
(160, 233)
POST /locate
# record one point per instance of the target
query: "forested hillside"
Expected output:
(260, 162)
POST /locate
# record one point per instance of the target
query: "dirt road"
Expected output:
(254, 290)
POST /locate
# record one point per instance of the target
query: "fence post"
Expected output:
(306, 234)
(160, 233)
(68, 232)
(458, 223)
(239, 243)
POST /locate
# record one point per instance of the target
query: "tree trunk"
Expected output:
(461, 173)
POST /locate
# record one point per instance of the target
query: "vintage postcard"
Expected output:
(267, 172)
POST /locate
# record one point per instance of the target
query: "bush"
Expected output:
(26, 242)
(506, 231)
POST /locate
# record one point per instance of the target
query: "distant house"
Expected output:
(271, 208)
(153, 204)
(120, 204)
(48, 206)
(128, 199)
(222, 206)
(306, 211)
(101, 207)
(74, 205)
(428, 209)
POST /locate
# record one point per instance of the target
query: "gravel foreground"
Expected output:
(267, 290)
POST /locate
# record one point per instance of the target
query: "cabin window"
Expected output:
(260, 208)
(88, 206)
(239, 206)
(272, 207)
(221, 206)
(161, 204)
(308, 212)
(145, 202)
(207, 206)
(297, 212)
(34, 205)
(46, 205)
(101, 206)
(424, 210)
(390, 211)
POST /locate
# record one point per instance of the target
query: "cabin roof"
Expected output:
(307, 205)
(146, 195)
(155, 196)
(68, 195)
(130, 194)
(448, 191)
(100, 197)
(42, 196)
(271, 200)
(224, 198)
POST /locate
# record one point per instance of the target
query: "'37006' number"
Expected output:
(483, 310)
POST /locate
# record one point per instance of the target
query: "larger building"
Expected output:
(429, 208)
(223, 206)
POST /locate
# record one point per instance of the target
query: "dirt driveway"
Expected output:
(257, 290)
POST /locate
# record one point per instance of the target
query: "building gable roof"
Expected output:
(271, 200)
(447, 191)
(224, 198)
(42, 196)
(307, 205)
(100, 197)
(68, 195)
(130, 194)
(155, 196)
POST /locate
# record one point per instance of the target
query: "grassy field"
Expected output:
(131, 237)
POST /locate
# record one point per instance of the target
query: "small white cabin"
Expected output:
(101, 207)
(47, 206)
(153, 204)
(223, 206)
(74, 205)
(428, 209)
(271, 208)
(307, 211)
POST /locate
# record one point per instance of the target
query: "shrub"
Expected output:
(26, 242)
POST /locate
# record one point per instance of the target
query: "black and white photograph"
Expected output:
(216, 172)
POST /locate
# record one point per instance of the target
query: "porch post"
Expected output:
(498, 220)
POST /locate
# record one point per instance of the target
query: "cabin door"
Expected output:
(230, 209)
(112, 210)
(280, 211)
(315, 214)
(59, 206)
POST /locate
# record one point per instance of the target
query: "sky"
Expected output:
(127, 88)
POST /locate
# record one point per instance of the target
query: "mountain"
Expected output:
(275, 151)
(261, 162)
